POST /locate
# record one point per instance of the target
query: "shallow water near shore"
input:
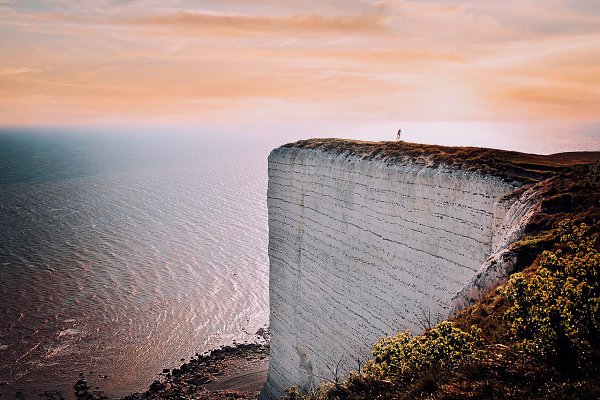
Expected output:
(121, 253)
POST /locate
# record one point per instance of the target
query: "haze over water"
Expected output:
(121, 252)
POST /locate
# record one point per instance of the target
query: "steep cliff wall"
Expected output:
(369, 238)
(362, 246)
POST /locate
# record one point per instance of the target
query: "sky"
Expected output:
(68, 62)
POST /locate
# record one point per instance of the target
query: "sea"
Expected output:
(124, 251)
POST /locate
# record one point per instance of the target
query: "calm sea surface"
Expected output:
(122, 253)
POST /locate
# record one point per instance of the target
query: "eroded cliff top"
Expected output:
(511, 165)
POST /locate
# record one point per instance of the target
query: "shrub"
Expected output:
(405, 357)
(555, 313)
(294, 393)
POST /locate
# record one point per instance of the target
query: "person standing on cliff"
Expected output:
(399, 134)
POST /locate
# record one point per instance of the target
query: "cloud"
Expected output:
(530, 19)
(18, 70)
(555, 102)
(401, 58)
(203, 23)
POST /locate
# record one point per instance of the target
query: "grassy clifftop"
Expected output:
(514, 165)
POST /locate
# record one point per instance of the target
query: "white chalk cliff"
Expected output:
(363, 247)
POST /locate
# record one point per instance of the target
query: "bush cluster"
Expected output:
(555, 312)
(405, 357)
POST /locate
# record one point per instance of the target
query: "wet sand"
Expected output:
(251, 379)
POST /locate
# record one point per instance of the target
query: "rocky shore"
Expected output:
(238, 371)
(233, 372)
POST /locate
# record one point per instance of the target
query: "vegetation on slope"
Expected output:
(537, 337)
(555, 312)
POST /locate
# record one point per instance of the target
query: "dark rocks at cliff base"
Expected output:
(83, 391)
(263, 333)
(156, 387)
(232, 372)
(51, 395)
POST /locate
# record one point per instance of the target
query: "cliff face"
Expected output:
(367, 239)
(363, 245)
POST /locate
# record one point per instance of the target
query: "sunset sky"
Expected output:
(111, 61)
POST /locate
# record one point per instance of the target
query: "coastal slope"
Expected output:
(368, 239)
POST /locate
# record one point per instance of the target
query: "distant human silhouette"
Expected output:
(399, 134)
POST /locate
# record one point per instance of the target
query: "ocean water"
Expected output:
(120, 255)
(121, 252)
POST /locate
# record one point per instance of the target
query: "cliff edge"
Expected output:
(366, 239)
